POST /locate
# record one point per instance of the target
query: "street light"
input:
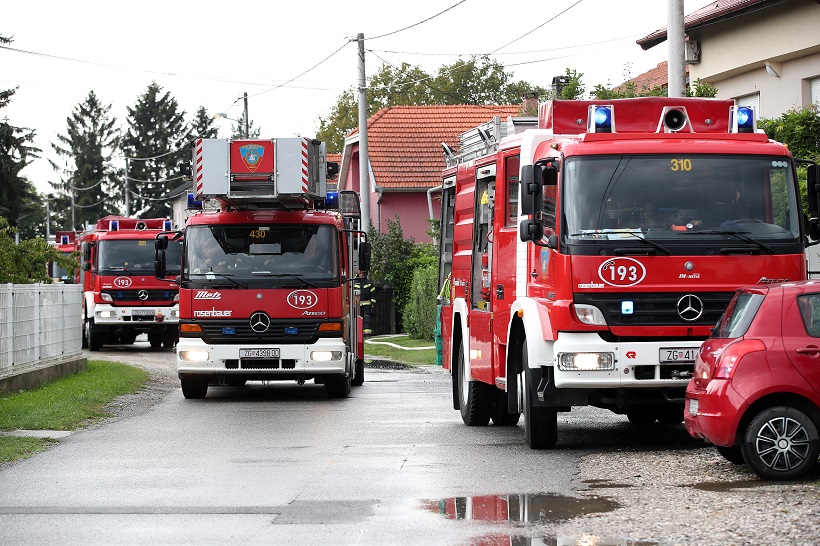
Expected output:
(246, 127)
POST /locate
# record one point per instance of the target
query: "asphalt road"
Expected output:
(282, 464)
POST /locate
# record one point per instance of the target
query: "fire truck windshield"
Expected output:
(273, 255)
(134, 256)
(680, 198)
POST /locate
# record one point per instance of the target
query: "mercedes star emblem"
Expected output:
(690, 308)
(260, 322)
(143, 295)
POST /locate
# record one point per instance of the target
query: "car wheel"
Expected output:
(474, 396)
(540, 422)
(358, 380)
(781, 443)
(733, 454)
(194, 387)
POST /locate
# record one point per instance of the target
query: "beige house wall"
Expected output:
(734, 54)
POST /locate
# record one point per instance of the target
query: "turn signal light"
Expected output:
(190, 328)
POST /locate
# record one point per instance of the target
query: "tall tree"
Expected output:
(89, 183)
(18, 197)
(155, 144)
(203, 125)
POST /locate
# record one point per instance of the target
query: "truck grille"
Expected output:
(655, 308)
(280, 332)
(131, 296)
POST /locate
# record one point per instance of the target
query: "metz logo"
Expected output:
(205, 295)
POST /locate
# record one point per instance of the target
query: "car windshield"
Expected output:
(738, 315)
(135, 256)
(285, 255)
(679, 198)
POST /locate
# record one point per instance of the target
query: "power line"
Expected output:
(298, 76)
(417, 24)
(536, 28)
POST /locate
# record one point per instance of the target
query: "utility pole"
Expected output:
(364, 160)
(247, 130)
(675, 36)
(127, 197)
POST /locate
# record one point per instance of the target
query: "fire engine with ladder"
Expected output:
(268, 269)
(64, 242)
(586, 254)
(121, 296)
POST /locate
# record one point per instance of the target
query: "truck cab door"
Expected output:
(481, 311)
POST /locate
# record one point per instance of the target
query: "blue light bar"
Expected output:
(114, 225)
(742, 119)
(600, 119)
(193, 203)
(332, 200)
(168, 226)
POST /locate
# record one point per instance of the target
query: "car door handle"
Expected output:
(808, 350)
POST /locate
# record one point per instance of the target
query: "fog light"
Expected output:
(325, 356)
(589, 314)
(586, 361)
(175, 313)
(106, 314)
(194, 356)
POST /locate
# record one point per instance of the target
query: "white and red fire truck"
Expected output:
(266, 287)
(121, 296)
(594, 279)
(64, 242)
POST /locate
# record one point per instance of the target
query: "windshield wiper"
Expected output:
(736, 234)
(210, 274)
(647, 241)
(620, 233)
(296, 276)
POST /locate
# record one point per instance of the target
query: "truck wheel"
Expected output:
(338, 386)
(641, 416)
(781, 443)
(128, 338)
(169, 339)
(500, 415)
(358, 380)
(93, 340)
(194, 387)
(155, 340)
(475, 397)
(733, 454)
(540, 422)
(670, 415)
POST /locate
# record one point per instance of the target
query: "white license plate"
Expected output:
(142, 312)
(671, 354)
(258, 353)
(693, 406)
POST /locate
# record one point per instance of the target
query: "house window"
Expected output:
(815, 91)
(752, 100)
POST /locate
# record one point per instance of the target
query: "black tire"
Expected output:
(338, 386)
(474, 397)
(169, 339)
(500, 414)
(358, 379)
(540, 422)
(641, 416)
(84, 335)
(194, 387)
(128, 339)
(781, 443)
(155, 340)
(93, 340)
(733, 454)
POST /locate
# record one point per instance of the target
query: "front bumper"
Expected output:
(137, 317)
(636, 364)
(194, 356)
(713, 414)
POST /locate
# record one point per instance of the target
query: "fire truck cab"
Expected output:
(589, 252)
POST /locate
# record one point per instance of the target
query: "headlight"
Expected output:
(586, 361)
(325, 356)
(194, 356)
(106, 297)
(589, 314)
(106, 314)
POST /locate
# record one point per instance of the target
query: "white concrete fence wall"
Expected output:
(39, 325)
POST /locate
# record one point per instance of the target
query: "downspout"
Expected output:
(430, 206)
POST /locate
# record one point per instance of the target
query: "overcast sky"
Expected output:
(209, 54)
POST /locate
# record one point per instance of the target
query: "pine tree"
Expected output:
(19, 200)
(238, 130)
(203, 126)
(89, 183)
(155, 144)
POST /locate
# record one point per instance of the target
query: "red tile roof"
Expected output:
(404, 142)
(656, 77)
(716, 11)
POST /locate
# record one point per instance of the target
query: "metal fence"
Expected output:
(39, 324)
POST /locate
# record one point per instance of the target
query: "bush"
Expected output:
(420, 313)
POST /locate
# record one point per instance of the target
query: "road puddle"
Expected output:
(530, 510)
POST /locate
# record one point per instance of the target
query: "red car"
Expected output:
(755, 393)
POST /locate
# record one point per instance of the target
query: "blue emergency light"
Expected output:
(332, 200)
(114, 225)
(193, 203)
(600, 119)
(742, 119)
(63, 239)
(168, 226)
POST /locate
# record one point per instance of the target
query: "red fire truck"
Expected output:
(64, 242)
(266, 286)
(121, 296)
(594, 279)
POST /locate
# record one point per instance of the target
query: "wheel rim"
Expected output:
(782, 444)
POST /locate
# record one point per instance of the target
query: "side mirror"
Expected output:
(161, 242)
(532, 195)
(87, 266)
(813, 190)
(159, 261)
(364, 256)
(814, 229)
(530, 230)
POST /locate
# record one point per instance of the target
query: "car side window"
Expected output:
(809, 305)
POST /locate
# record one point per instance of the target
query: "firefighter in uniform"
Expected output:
(366, 302)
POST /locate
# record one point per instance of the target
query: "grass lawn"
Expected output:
(67, 403)
(400, 348)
